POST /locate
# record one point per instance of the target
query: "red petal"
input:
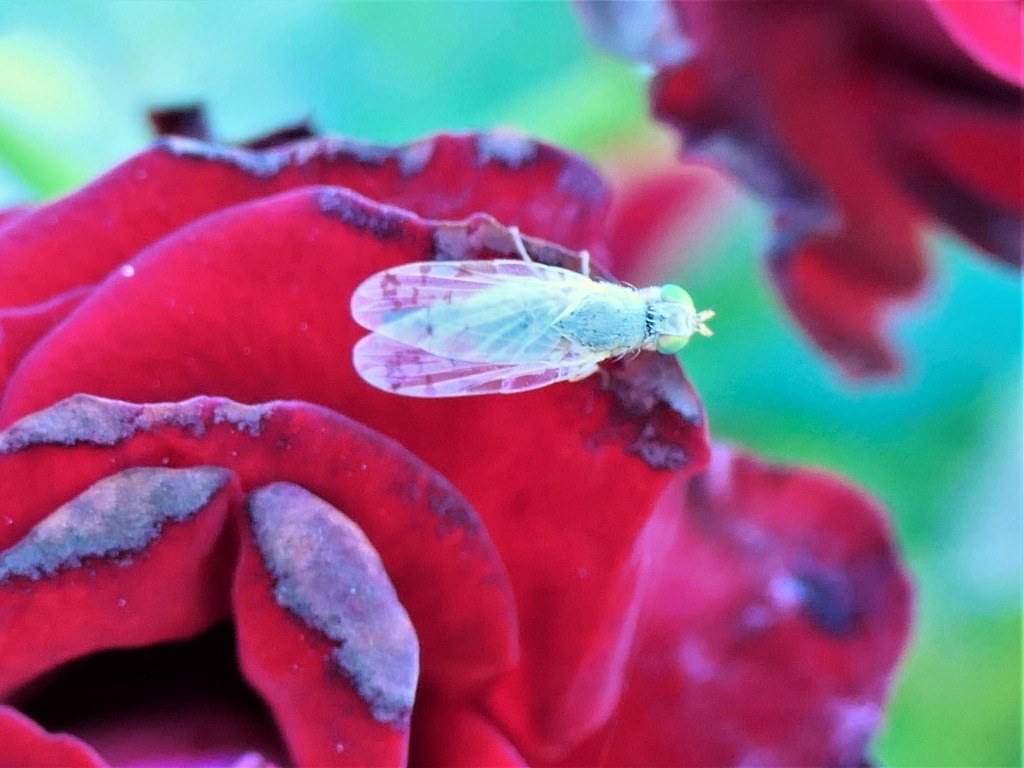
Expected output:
(849, 118)
(217, 309)
(78, 240)
(23, 744)
(384, 489)
(653, 213)
(990, 32)
(308, 561)
(165, 726)
(21, 327)
(772, 630)
(64, 588)
(801, 143)
(431, 543)
(7, 215)
(453, 736)
(962, 165)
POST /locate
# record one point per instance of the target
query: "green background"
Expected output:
(939, 447)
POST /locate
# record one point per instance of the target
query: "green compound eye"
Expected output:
(674, 294)
(669, 345)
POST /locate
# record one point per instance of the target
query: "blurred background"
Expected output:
(940, 447)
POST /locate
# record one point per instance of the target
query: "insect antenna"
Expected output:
(702, 318)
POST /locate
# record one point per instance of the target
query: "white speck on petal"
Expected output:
(785, 591)
(694, 660)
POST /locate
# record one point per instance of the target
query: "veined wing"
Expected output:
(427, 282)
(501, 311)
(395, 367)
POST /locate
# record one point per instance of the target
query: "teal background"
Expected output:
(939, 447)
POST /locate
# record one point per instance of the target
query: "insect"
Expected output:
(456, 328)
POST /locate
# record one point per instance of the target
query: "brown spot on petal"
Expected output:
(263, 165)
(413, 158)
(651, 393)
(99, 421)
(382, 221)
(510, 149)
(244, 418)
(77, 419)
(297, 145)
(472, 239)
(482, 237)
(827, 599)
(579, 181)
(327, 573)
(118, 515)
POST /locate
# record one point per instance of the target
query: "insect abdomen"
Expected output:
(607, 321)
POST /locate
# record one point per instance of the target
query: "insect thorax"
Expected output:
(607, 322)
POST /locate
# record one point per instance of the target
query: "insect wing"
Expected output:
(395, 367)
(422, 284)
(499, 311)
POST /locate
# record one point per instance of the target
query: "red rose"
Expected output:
(432, 581)
(860, 123)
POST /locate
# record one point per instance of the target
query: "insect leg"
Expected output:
(585, 372)
(517, 238)
(585, 263)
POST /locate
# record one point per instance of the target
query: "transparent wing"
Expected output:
(395, 367)
(422, 284)
(500, 311)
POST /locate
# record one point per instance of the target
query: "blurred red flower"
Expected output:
(438, 582)
(859, 122)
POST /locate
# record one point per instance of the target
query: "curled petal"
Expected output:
(73, 563)
(771, 628)
(161, 525)
(652, 212)
(21, 327)
(852, 120)
(78, 240)
(454, 735)
(26, 745)
(290, 264)
(60, 251)
(7, 215)
(990, 32)
(324, 571)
